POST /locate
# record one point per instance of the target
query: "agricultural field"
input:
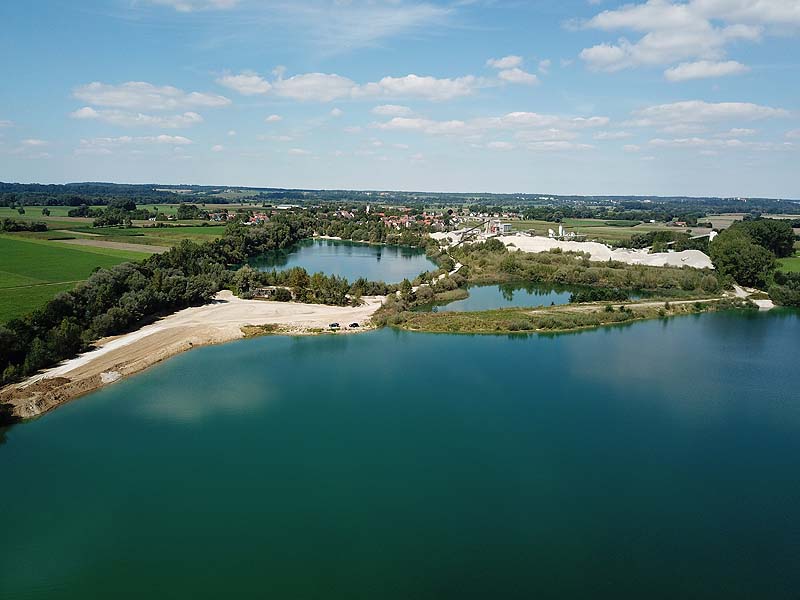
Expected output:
(596, 229)
(33, 271)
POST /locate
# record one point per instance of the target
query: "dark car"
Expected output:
(353, 325)
(334, 326)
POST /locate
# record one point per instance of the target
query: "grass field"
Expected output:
(790, 265)
(594, 229)
(33, 271)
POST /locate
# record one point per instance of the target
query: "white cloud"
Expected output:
(336, 113)
(704, 69)
(612, 135)
(136, 95)
(217, 148)
(517, 75)
(534, 131)
(500, 146)
(34, 143)
(557, 146)
(321, 87)
(544, 66)
(545, 135)
(695, 31)
(105, 145)
(696, 142)
(426, 87)
(132, 119)
(391, 110)
(246, 83)
(232, 132)
(327, 87)
(299, 152)
(793, 134)
(273, 119)
(507, 62)
(737, 132)
(194, 5)
(631, 148)
(695, 112)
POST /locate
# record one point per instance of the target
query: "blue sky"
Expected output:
(697, 97)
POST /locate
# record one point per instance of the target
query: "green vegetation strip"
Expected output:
(557, 318)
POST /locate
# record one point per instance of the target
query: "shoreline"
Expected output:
(221, 321)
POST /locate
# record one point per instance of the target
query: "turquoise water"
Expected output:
(485, 297)
(348, 259)
(655, 460)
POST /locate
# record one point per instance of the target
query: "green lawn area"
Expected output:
(32, 271)
(790, 265)
(34, 212)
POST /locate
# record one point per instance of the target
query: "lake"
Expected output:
(654, 460)
(350, 260)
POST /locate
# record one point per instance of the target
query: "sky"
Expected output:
(656, 97)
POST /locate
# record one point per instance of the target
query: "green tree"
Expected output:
(736, 255)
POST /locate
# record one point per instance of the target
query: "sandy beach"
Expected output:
(215, 323)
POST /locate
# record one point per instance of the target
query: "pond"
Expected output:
(508, 295)
(351, 260)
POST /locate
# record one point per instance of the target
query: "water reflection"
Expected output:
(348, 259)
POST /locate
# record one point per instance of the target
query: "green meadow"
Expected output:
(32, 271)
(790, 265)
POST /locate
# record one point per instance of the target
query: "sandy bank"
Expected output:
(215, 323)
(602, 253)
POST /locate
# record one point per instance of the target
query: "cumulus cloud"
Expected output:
(246, 83)
(336, 113)
(425, 87)
(133, 119)
(697, 112)
(694, 31)
(140, 95)
(704, 69)
(533, 131)
(612, 135)
(217, 148)
(327, 87)
(507, 62)
(298, 152)
(106, 145)
(631, 148)
(697, 31)
(273, 119)
(517, 75)
(391, 110)
(510, 70)
(34, 143)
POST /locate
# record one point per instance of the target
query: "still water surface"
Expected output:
(655, 460)
(350, 260)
